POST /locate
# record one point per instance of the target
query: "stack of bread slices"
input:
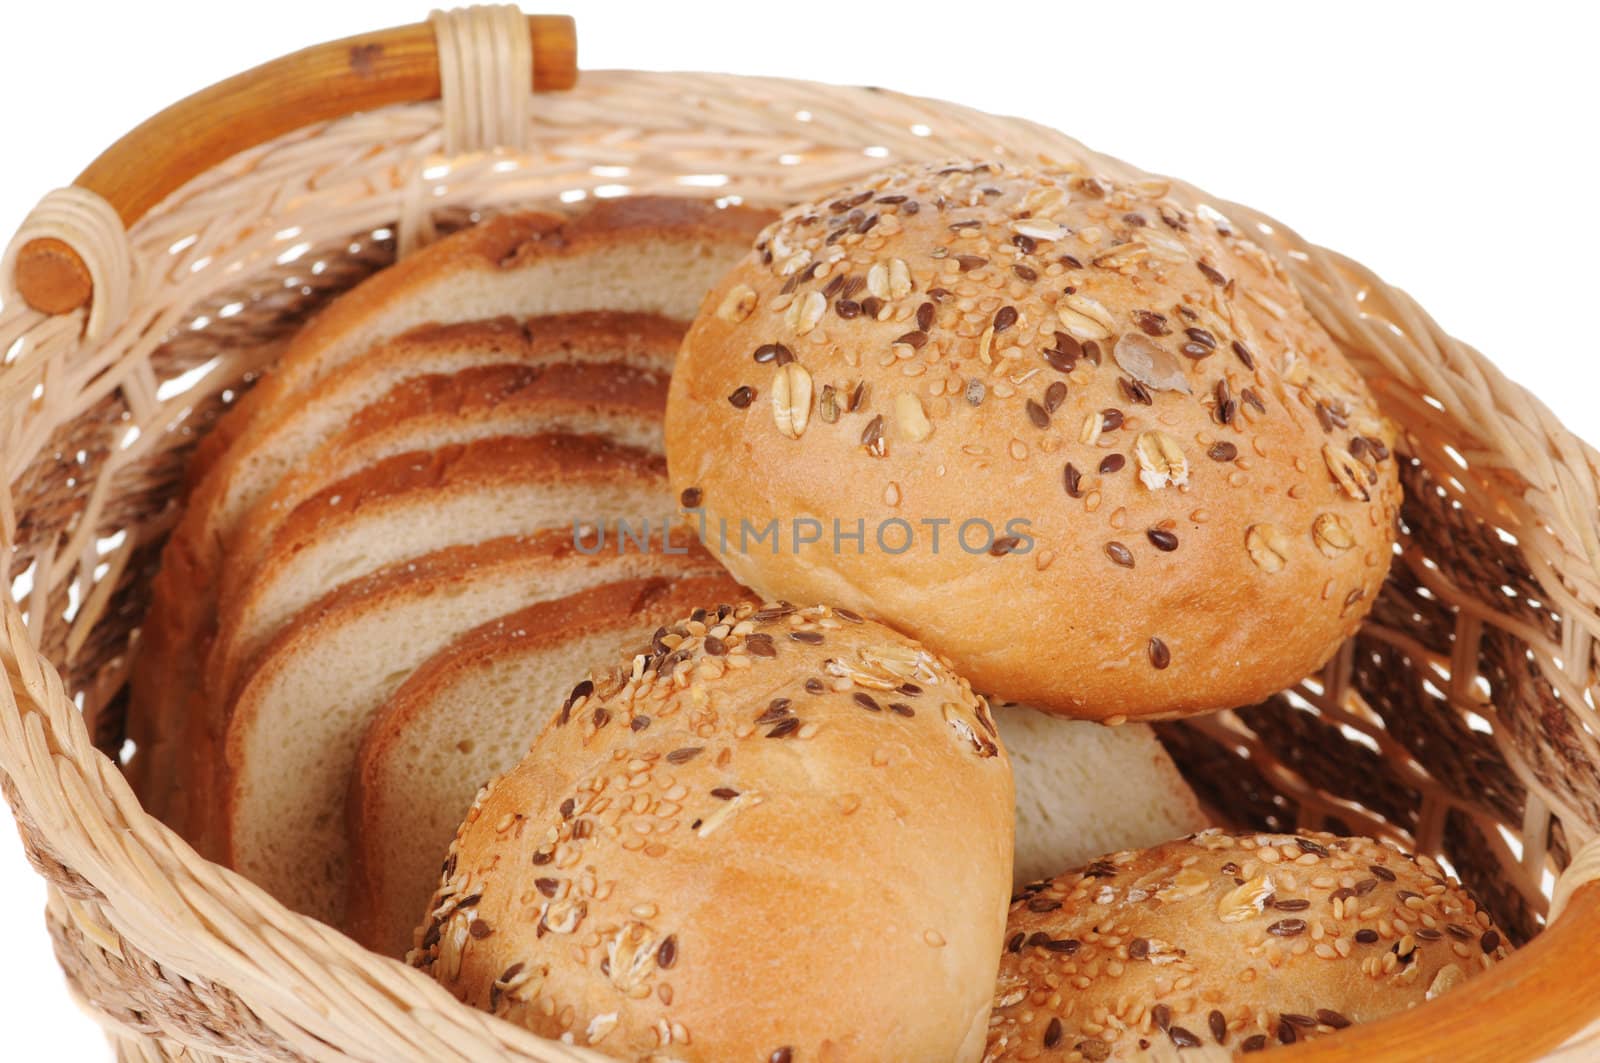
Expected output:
(411, 472)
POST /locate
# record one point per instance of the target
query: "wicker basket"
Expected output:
(1460, 722)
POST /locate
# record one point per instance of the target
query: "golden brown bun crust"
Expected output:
(1012, 310)
(1247, 940)
(673, 845)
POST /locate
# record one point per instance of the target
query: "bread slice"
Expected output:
(616, 403)
(296, 725)
(416, 503)
(467, 715)
(652, 255)
(406, 507)
(643, 254)
(1085, 789)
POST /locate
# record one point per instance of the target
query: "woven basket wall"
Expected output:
(1460, 722)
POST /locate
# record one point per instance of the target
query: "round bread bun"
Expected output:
(1236, 941)
(784, 834)
(1171, 489)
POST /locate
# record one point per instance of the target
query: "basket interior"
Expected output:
(1459, 722)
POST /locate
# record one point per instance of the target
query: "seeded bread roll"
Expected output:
(1234, 940)
(1180, 491)
(789, 838)
(1084, 789)
(467, 715)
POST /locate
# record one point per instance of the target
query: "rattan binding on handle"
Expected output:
(72, 243)
(468, 52)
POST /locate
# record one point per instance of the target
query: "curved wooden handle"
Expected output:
(326, 81)
(1490, 1017)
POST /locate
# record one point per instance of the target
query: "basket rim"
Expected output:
(41, 736)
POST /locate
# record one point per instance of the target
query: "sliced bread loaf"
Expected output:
(183, 597)
(296, 725)
(467, 715)
(616, 403)
(651, 255)
(180, 618)
(1084, 789)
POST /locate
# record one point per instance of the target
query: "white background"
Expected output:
(1449, 147)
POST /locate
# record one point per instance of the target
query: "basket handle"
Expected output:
(317, 84)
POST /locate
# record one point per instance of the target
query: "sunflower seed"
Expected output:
(1149, 363)
(828, 404)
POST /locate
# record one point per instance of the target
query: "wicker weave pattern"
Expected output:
(1459, 722)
